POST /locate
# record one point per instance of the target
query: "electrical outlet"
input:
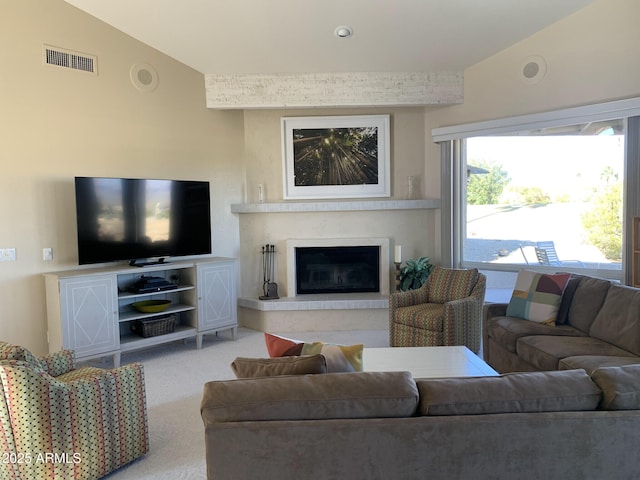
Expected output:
(47, 254)
(7, 254)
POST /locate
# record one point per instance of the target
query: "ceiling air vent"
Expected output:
(60, 57)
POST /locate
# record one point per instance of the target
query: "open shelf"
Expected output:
(181, 288)
(132, 341)
(127, 316)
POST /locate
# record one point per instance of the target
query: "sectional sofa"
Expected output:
(553, 425)
(598, 324)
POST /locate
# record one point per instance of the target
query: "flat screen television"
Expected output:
(141, 219)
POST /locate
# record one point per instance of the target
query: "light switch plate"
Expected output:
(7, 254)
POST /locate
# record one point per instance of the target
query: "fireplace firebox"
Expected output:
(342, 269)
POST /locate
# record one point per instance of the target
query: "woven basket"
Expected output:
(152, 327)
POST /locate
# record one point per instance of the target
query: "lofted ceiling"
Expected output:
(297, 36)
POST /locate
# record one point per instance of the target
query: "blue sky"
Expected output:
(558, 164)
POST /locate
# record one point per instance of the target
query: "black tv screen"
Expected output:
(132, 219)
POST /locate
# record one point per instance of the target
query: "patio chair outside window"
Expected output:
(546, 253)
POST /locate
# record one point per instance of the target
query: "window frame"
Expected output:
(453, 182)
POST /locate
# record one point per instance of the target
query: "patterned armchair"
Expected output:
(446, 310)
(61, 423)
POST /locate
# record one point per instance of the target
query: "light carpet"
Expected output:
(175, 374)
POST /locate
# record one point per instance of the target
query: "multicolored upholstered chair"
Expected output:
(446, 310)
(62, 423)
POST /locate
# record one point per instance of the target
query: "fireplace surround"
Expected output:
(338, 269)
(340, 266)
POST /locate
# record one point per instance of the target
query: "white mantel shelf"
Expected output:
(349, 206)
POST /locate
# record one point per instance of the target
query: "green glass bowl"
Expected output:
(151, 306)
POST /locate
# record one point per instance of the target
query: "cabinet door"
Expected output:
(217, 295)
(89, 314)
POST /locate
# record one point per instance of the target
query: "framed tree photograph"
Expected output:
(336, 157)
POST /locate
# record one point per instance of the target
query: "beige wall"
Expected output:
(413, 229)
(57, 123)
(591, 56)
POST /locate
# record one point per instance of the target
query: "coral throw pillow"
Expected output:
(537, 296)
(340, 358)
(278, 346)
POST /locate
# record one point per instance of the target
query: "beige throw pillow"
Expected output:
(268, 367)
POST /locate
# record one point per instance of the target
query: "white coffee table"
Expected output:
(426, 362)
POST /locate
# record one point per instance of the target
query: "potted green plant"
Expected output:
(415, 273)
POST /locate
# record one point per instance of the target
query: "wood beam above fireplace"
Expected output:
(339, 89)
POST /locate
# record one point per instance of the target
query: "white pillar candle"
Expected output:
(397, 257)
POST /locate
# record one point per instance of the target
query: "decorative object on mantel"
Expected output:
(413, 187)
(415, 273)
(336, 157)
(269, 288)
(397, 260)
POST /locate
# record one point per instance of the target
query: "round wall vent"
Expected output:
(533, 69)
(144, 77)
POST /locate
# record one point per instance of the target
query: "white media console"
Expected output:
(89, 310)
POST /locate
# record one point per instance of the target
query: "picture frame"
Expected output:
(336, 157)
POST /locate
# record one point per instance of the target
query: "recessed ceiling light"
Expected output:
(343, 32)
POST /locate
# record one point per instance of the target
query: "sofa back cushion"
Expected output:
(618, 321)
(588, 297)
(446, 284)
(620, 387)
(556, 391)
(311, 397)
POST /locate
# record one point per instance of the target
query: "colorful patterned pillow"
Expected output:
(340, 358)
(446, 284)
(537, 296)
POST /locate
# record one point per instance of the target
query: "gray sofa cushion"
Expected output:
(618, 321)
(267, 367)
(567, 390)
(620, 387)
(507, 330)
(587, 300)
(544, 352)
(591, 363)
(311, 397)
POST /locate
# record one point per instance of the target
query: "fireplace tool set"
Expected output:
(269, 288)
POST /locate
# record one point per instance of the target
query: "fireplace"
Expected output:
(358, 266)
(338, 269)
